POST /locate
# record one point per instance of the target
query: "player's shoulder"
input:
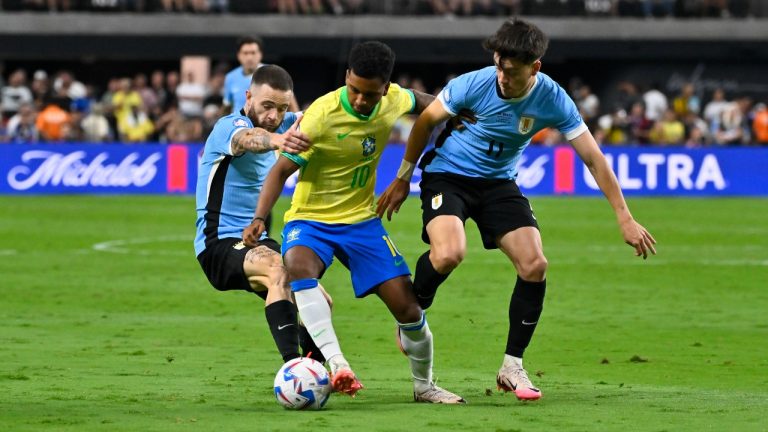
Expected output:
(549, 89)
(325, 103)
(476, 77)
(234, 74)
(233, 121)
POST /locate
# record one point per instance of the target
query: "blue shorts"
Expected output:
(364, 248)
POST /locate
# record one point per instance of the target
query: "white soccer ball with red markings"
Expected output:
(302, 383)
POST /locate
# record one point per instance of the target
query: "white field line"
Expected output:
(129, 246)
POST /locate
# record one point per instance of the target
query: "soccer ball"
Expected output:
(302, 383)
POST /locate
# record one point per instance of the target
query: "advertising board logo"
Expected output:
(41, 168)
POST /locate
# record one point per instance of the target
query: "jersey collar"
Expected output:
(351, 111)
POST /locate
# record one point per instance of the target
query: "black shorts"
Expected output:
(222, 263)
(496, 206)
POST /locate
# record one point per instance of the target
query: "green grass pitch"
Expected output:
(108, 324)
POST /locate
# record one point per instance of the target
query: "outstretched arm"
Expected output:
(270, 191)
(258, 140)
(397, 191)
(634, 234)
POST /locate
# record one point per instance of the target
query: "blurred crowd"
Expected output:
(167, 107)
(621, 8)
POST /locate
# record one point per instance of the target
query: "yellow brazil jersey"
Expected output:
(338, 173)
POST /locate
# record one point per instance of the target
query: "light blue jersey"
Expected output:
(491, 147)
(235, 84)
(228, 186)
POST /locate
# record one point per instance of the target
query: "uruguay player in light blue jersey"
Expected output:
(237, 157)
(238, 80)
(471, 174)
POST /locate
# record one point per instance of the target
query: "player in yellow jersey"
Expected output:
(332, 214)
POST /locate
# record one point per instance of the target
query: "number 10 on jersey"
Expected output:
(360, 176)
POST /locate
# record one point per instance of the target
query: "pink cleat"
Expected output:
(515, 379)
(345, 381)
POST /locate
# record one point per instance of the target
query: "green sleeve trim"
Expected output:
(413, 100)
(298, 160)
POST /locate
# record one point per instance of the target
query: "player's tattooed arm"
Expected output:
(422, 101)
(255, 140)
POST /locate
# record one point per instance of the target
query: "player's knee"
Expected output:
(446, 260)
(534, 270)
(408, 313)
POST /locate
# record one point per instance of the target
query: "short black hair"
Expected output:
(372, 59)
(520, 40)
(245, 40)
(273, 76)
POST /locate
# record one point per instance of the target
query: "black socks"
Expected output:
(426, 280)
(524, 311)
(284, 325)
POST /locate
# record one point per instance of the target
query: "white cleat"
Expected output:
(515, 379)
(435, 394)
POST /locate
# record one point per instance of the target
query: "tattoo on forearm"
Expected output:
(254, 140)
(259, 253)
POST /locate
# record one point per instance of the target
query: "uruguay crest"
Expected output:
(437, 201)
(525, 125)
(369, 145)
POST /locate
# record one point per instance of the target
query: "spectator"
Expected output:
(136, 125)
(655, 103)
(190, 95)
(669, 130)
(696, 130)
(760, 124)
(588, 103)
(21, 127)
(696, 138)
(734, 127)
(171, 82)
(66, 82)
(639, 125)
(686, 101)
(41, 88)
(714, 109)
(124, 102)
(157, 83)
(52, 121)
(15, 93)
(148, 96)
(95, 126)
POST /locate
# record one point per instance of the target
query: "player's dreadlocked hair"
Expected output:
(372, 60)
(273, 76)
(518, 40)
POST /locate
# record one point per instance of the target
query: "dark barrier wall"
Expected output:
(172, 169)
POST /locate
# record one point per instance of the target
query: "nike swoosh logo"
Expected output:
(342, 136)
(399, 262)
(529, 323)
(280, 327)
(314, 335)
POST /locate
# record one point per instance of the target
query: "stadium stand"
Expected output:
(610, 52)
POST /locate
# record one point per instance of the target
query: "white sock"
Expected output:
(416, 340)
(316, 316)
(510, 361)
